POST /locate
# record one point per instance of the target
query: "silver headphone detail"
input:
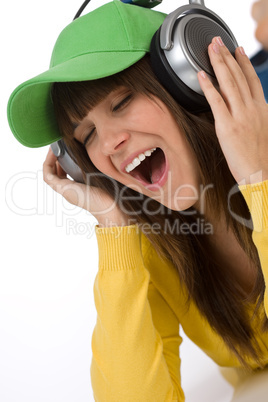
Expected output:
(66, 160)
(179, 49)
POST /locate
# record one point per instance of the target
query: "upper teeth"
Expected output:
(138, 159)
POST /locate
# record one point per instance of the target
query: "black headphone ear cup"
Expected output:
(185, 96)
(179, 49)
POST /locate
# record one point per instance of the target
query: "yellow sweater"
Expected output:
(140, 304)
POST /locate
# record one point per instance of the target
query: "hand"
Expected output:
(259, 12)
(240, 113)
(92, 199)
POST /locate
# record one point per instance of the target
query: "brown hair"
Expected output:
(218, 296)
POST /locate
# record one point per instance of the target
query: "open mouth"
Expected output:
(150, 168)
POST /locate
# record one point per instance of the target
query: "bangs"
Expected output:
(73, 100)
(76, 99)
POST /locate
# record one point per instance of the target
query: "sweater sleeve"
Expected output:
(135, 343)
(256, 197)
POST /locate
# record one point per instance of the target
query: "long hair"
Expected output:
(219, 297)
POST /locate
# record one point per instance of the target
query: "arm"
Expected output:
(240, 112)
(136, 340)
(241, 122)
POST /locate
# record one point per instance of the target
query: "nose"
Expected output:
(113, 139)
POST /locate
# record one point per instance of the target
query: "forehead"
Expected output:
(97, 103)
(105, 105)
(75, 99)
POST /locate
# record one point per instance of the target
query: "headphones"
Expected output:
(67, 160)
(178, 51)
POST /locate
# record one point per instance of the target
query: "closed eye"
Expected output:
(121, 104)
(88, 137)
(116, 108)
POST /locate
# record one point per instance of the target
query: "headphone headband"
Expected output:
(178, 51)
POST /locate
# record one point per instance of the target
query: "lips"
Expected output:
(151, 172)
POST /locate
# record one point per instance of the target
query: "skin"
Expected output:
(119, 134)
(241, 121)
(259, 13)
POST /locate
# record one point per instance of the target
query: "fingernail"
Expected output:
(241, 50)
(219, 41)
(216, 48)
(203, 74)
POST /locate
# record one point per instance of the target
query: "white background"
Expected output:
(48, 249)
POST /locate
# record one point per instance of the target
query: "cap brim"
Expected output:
(33, 98)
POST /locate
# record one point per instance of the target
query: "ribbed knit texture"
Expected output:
(141, 305)
(119, 247)
(256, 196)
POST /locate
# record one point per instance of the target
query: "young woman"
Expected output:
(181, 199)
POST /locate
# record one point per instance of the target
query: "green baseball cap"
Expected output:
(96, 45)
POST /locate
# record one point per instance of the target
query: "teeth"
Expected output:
(147, 153)
(138, 159)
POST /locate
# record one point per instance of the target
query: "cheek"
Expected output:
(185, 196)
(102, 163)
(95, 158)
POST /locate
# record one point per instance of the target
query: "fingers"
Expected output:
(55, 177)
(49, 166)
(214, 98)
(53, 174)
(239, 110)
(60, 172)
(250, 75)
(96, 201)
(232, 82)
(239, 84)
(52, 166)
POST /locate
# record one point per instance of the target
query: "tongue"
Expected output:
(157, 165)
(151, 169)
